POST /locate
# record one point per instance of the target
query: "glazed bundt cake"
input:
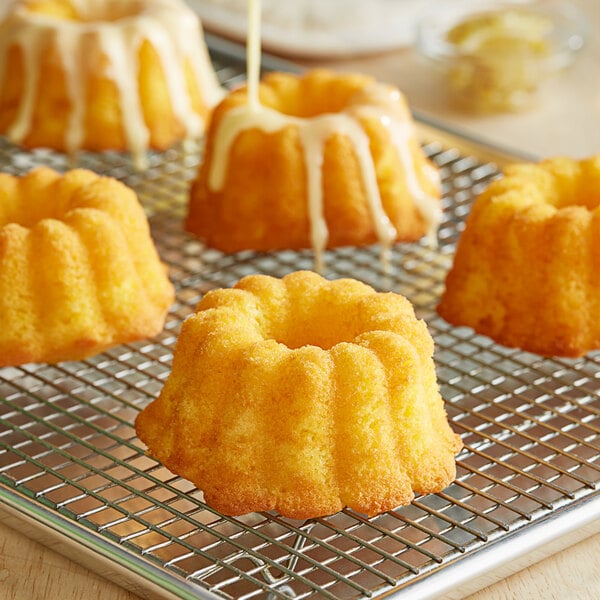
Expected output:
(303, 395)
(126, 75)
(527, 268)
(78, 270)
(322, 160)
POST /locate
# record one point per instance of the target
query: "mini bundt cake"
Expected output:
(321, 160)
(78, 270)
(303, 395)
(126, 75)
(526, 272)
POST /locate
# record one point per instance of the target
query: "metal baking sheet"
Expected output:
(72, 470)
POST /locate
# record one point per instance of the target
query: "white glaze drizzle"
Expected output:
(70, 53)
(313, 135)
(402, 134)
(31, 53)
(124, 65)
(319, 234)
(169, 25)
(253, 52)
(385, 103)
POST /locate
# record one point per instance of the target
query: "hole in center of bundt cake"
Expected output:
(322, 324)
(308, 97)
(89, 12)
(563, 183)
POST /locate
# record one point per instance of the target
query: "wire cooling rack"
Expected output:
(70, 462)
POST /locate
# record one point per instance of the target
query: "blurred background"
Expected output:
(525, 78)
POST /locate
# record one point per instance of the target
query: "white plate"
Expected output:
(318, 28)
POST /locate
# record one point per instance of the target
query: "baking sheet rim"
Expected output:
(465, 575)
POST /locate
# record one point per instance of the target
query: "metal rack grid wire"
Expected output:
(530, 425)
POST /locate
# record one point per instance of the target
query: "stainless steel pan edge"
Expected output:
(466, 575)
(93, 551)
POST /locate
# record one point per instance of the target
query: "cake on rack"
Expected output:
(526, 271)
(79, 272)
(128, 75)
(303, 395)
(316, 160)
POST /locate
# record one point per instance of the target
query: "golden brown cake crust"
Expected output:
(303, 395)
(78, 270)
(65, 85)
(263, 203)
(526, 270)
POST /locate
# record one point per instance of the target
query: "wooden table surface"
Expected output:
(29, 571)
(567, 122)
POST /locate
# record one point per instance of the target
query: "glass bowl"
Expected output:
(496, 54)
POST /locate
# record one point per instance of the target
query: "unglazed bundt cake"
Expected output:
(108, 74)
(78, 270)
(527, 268)
(321, 160)
(303, 395)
